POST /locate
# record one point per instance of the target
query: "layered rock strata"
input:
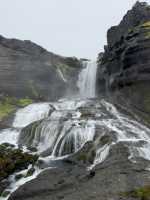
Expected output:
(126, 61)
(27, 69)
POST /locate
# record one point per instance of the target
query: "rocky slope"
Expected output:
(123, 173)
(30, 73)
(125, 63)
(27, 69)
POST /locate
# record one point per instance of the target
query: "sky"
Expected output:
(65, 27)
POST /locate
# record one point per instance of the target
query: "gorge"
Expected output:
(77, 129)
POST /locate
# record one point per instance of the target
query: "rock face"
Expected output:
(111, 180)
(126, 61)
(27, 69)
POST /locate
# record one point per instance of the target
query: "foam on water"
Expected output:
(31, 113)
(10, 135)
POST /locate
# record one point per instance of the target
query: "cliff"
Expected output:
(27, 69)
(29, 73)
(125, 63)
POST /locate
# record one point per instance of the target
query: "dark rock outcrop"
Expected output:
(110, 180)
(126, 61)
(27, 69)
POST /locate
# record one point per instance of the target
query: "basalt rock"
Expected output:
(126, 61)
(27, 69)
(111, 180)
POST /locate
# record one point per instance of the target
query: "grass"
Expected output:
(8, 104)
(147, 103)
(143, 193)
(85, 114)
(6, 109)
(48, 63)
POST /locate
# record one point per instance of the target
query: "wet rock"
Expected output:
(30, 172)
(19, 176)
(126, 61)
(5, 193)
(33, 69)
(14, 160)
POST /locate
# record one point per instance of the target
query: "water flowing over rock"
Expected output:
(87, 79)
(89, 148)
(26, 69)
(88, 132)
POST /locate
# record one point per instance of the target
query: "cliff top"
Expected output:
(140, 12)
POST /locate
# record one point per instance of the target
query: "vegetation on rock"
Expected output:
(14, 159)
(48, 63)
(143, 193)
(8, 104)
(86, 114)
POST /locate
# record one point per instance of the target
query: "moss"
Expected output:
(65, 69)
(48, 63)
(9, 104)
(148, 35)
(3, 174)
(13, 160)
(103, 60)
(147, 103)
(146, 25)
(142, 193)
(85, 114)
(24, 102)
(33, 90)
(6, 109)
(30, 172)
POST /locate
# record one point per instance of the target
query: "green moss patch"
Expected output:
(6, 109)
(86, 114)
(65, 69)
(147, 103)
(8, 104)
(15, 159)
(146, 25)
(48, 63)
(143, 193)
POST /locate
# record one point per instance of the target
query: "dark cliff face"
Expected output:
(126, 61)
(27, 69)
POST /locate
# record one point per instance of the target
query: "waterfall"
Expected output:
(31, 113)
(87, 79)
(62, 128)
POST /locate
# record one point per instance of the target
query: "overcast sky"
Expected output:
(66, 27)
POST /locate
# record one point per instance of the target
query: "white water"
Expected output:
(87, 79)
(31, 113)
(10, 135)
(59, 71)
(64, 132)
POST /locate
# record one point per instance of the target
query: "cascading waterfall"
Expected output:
(87, 79)
(62, 128)
(31, 113)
